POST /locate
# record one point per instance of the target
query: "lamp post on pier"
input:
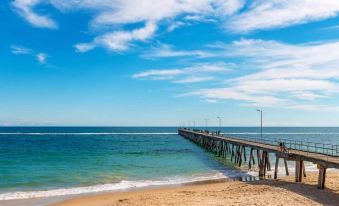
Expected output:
(219, 118)
(259, 110)
(206, 123)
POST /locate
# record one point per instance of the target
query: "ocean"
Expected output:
(42, 162)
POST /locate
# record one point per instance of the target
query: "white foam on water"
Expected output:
(123, 185)
(128, 185)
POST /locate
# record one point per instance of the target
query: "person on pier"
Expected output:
(282, 147)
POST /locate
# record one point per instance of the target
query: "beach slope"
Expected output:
(264, 192)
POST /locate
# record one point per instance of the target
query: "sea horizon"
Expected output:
(197, 126)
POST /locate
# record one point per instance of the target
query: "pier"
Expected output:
(324, 155)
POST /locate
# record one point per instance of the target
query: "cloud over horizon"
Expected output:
(270, 73)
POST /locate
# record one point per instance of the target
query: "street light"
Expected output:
(206, 121)
(259, 110)
(219, 121)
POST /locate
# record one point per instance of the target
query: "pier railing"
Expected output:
(320, 148)
(305, 146)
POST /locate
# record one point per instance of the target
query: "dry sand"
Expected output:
(264, 192)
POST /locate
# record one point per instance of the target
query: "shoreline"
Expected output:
(216, 178)
(283, 191)
(47, 200)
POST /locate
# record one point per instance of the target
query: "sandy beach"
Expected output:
(283, 191)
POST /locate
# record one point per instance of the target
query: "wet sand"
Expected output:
(283, 191)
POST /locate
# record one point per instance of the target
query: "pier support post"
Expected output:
(244, 153)
(298, 170)
(236, 154)
(276, 167)
(268, 163)
(220, 148)
(259, 157)
(262, 165)
(250, 159)
(240, 154)
(232, 152)
(321, 177)
(286, 167)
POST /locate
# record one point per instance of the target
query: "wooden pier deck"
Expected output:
(328, 157)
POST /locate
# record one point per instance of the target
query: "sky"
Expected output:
(169, 62)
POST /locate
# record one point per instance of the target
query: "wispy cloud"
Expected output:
(279, 13)
(120, 40)
(159, 74)
(41, 57)
(175, 25)
(17, 49)
(167, 51)
(194, 74)
(229, 93)
(21, 50)
(26, 9)
(335, 27)
(273, 74)
(194, 79)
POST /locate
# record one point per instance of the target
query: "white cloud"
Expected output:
(228, 7)
(281, 13)
(84, 47)
(41, 57)
(25, 9)
(119, 41)
(175, 25)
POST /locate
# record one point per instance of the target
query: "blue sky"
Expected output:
(169, 62)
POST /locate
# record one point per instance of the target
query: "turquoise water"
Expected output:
(50, 161)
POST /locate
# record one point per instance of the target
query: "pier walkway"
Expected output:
(324, 155)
